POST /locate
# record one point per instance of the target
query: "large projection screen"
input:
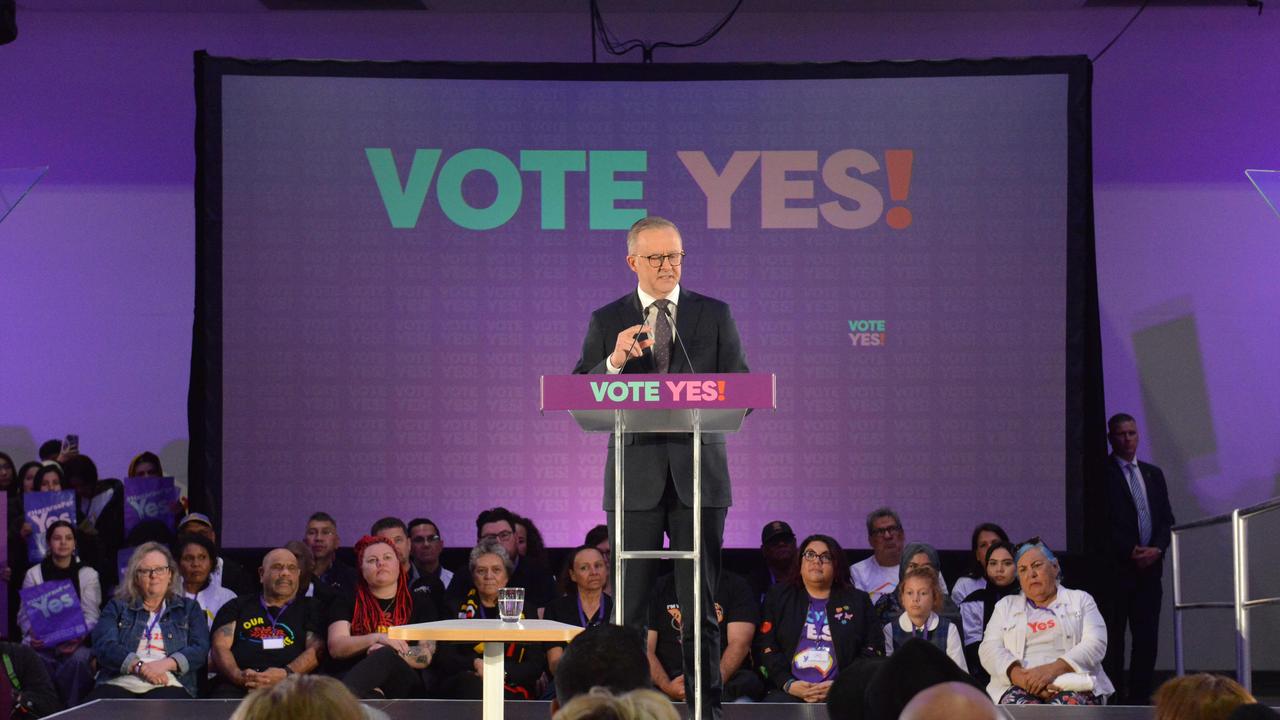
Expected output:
(390, 254)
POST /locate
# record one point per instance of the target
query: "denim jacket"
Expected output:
(120, 629)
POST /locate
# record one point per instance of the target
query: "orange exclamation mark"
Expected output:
(720, 384)
(897, 163)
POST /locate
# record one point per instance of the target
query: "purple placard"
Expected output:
(729, 391)
(149, 498)
(54, 611)
(42, 509)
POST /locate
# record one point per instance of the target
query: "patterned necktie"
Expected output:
(1139, 500)
(662, 337)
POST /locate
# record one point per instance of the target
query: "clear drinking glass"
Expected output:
(510, 603)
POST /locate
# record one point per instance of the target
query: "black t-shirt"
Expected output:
(565, 609)
(253, 627)
(734, 603)
(343, 608)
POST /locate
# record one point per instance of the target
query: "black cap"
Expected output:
(775, 529)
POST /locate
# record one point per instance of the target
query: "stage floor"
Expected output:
(470, 710)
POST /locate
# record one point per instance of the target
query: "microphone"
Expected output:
(644, 320)
(667, 311)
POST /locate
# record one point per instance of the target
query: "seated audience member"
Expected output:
(370, 663)
(919, 593)
(877, 575)
(51, 450)
(598, 538)
(145, 464)
(395, 530)
(1045, 644)
(8, 473)
(460, 665)
(25, 686)
(68, 662)
(529, 542)
(584, 602)
(425, 546)
(27, 474)
(539, 584)
(195, 564)
(605, 656)
(599, 704)
(847, 697)
(226, 572)
(261, 640)
(917, 555)
(814, 625)
(737, 612)
(950, 701)
(984, 536)
(975, 611)
(151, 641)
(322, 537)
(100, 509)
(301, 697)
(1201, 696)
(49, 478)
(778, 551)
(917, 666)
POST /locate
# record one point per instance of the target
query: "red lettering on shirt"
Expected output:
(1039, 626)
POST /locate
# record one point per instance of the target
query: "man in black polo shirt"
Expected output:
(260, 640)
(738, 614)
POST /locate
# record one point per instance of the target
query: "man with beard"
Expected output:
(260, 640)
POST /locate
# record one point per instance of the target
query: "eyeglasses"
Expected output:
(811, 556)
(490, 572)
(153, 572)
(889, 531)
(655, 261)
(504, 536)
(423, 539)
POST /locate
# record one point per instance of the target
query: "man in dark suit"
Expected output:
(1139, 519)
(658, 468)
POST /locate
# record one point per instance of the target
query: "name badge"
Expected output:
(273, 643)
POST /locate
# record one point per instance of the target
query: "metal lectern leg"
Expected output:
(697, 564)
(619, 425)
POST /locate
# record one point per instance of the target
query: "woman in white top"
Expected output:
(196, 555)
(68, 662)
(1045, 645)
(984, 536)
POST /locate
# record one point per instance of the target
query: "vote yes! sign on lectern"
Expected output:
(672, 403)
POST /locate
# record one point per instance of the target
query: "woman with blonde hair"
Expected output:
(151, 640)
(1200, 697)
(301, 697)
(600, 704)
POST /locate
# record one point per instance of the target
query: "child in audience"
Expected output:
(920, 593)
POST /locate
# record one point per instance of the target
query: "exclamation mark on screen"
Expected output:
(897, 163)
(720, 384)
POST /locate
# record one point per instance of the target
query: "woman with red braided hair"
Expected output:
(369, 663)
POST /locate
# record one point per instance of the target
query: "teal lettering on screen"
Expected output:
(405, 202)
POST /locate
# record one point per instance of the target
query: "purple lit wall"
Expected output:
(96, 265)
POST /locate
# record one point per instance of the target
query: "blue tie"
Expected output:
(1139, 500)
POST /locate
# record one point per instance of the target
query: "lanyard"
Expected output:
(151, 626)
(267, 611)
(601, 612)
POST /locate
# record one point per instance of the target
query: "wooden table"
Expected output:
(494, 634)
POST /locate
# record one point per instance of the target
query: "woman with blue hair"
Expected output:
(1045, 645)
